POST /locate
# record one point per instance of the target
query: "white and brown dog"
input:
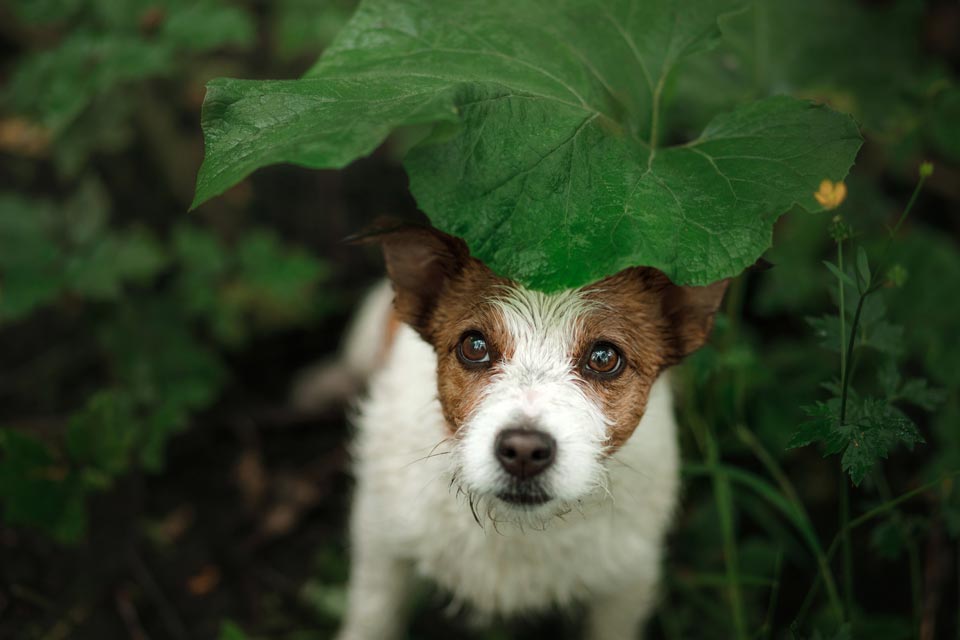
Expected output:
(517, 448)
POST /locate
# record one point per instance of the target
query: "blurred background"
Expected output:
(155, 482)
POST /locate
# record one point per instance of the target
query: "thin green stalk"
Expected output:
(843, 313)
(856, 522)
(724, 498)
(747, 437)
(851, 343)
(655, 115)
(847, 546)
(874, 285)
(846, 373)
(913, 553)
(846, 352)
(766, 630)
(794, 516)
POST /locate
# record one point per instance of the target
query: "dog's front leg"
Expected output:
(376, 596)
(621, 615)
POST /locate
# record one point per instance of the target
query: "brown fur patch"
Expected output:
(654, 324)
(443, 292)
(466, 305)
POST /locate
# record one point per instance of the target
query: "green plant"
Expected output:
(157, 308)
(547, 156)
(122, 321)
(550, 159)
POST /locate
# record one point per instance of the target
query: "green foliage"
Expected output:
(38, 490)
(564, 141)
(806, 48)
(871, 429)
(552, 132)
(162, 307)
(81, 91)
(157, 306)
(54, 251)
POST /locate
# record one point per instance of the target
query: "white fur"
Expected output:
(598, 543)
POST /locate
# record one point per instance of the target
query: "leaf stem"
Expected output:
(655, 114)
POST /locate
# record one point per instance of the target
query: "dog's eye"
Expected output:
(604, 359)
(473, 348)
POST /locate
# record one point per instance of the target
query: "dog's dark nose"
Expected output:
(523, 453)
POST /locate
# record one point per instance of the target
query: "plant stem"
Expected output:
(768, 461)
(846, 352)
(655, 114)
(724, 499)
(767, 629)
(913, 553)
(847, 547)
(843, 313)
(861, 519)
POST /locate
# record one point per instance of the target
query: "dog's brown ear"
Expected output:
(689, 312)
(420, 261)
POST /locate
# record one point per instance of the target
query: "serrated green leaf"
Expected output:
(871, 430)
(555, 175)
(874, 428)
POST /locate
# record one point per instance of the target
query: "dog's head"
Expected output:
(538, 390)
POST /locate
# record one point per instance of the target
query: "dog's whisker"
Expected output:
(427, 457)
(473, 509)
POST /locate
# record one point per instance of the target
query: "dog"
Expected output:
(517, 448)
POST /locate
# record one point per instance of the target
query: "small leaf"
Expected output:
(839, 274)
(863, 267)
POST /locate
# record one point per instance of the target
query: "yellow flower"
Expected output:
(831, 194)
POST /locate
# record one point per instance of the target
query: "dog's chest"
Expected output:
(506, 569)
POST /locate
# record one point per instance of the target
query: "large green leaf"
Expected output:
(555, 175)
